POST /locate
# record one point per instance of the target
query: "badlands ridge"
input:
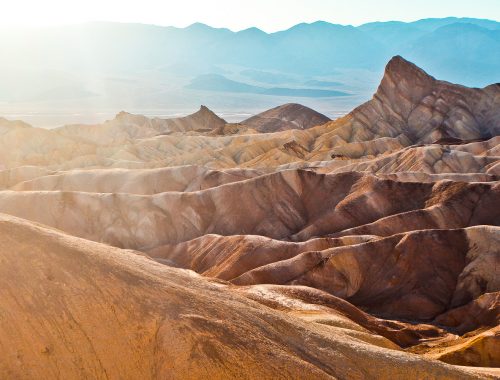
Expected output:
(285, 246)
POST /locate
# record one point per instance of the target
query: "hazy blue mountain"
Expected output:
(396, 33)
(322, 83)
(319, 47)
(109, 66)
(268, 77)
(464, 53)
(306, 49)
(431, 24)
(219, 83)
(303, 92)
(393, 34)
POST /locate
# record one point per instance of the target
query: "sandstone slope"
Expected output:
(78, 309)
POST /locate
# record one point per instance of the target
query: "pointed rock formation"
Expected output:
(416, 108)
(203, 120)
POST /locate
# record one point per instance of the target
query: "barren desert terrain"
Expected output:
(285, 246)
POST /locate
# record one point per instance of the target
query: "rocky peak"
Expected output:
(205, 110)
(416, 107)
(400, 67)
(204, 118)
(206, 114)
(122, 115)
(404, 79)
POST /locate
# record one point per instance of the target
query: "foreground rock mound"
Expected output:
(100, 312)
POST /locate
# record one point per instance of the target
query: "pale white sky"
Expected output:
(269, 15)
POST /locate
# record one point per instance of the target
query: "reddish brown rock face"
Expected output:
(483, 311)
(411, 104)
(323, 249)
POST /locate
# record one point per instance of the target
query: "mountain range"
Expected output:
(94, 68)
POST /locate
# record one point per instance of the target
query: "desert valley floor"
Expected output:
(285, 246)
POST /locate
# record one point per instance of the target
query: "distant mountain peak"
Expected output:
(252, 31)
(205, 110)
(5, 123)
(124, 118)
(206, 117)
(201, 27)
(198, 25)
(122, 114)
(207, 114)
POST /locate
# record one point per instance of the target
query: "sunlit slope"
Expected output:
(78, 309)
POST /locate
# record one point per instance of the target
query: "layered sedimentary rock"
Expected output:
(335, 245)
(293, 205)
(126, 127)
(77, 309)
(130, 181)
(417, 275)
(414, 106)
